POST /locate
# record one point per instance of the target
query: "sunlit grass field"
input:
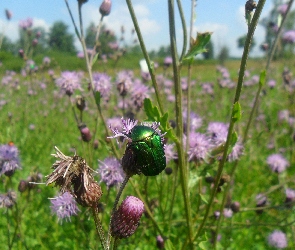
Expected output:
(36, 119)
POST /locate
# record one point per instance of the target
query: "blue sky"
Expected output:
(223, 17)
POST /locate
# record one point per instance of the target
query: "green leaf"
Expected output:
(198, 45)
(97, 97)
(234, 139)
(262, 78)
(94, 59)
(169, 245)
(203, 198)
(237, 114)
(193, 180)
(153, 114)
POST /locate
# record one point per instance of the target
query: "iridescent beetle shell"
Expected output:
(145, 153)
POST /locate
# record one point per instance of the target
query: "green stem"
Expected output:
(248, 41)
(99, 229)
(189, 76)
(73, 20)
(183, 23)
(179, 123)
(145, 54)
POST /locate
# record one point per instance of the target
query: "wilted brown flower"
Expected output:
(69, 170)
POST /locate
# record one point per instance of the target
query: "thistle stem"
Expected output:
(145, 54)
(99, 229)
(179, 122)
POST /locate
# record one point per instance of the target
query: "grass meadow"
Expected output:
(35, 116)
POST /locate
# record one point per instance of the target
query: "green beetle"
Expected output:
(145, 153)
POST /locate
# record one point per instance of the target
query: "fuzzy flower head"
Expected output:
(277, 163)
(170, 153)
(199, 146)
(124, 82)
(289, 36)
(9, 159)
(64, 206)
(217, 132)
(102, 84)
(111, 172)
(145, 148)
(277, 239)
(69, 82)
(126, 218)
(138, 94)
(7, 200)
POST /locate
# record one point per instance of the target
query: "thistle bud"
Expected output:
(250, 5)
(235, 206)
(160, 242)
(22, 186)
(34, 42)
(8, 14)
(21, 53)
(105, 7)
(125, 220)
(87, 197)
(168, 171)
(85, 133)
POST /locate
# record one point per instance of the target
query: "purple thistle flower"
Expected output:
(124, 81)
(9, 159)
(195, 120)
(271, 83)
(68, 82)
(111, 172)
(126, 126)
(8, 200)
(125, 219)
(236, 152)
(289, 36)
(277, 163)
(217, 132)
(115, 123)
(64, 206)
(138, 94)
(102, 84)
(199, 146)
(282, 9)
(290, 197)
(170, 153)
(80, 54)
(26, 24)
(277, 239)
(168, 61)
(227, 213)
(46, 60)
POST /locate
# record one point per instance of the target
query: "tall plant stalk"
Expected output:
(179, 123)
(243, 66)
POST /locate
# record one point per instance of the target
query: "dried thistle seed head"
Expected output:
(67, 170)
(125, 220)
(80, 102)
(87, 197)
